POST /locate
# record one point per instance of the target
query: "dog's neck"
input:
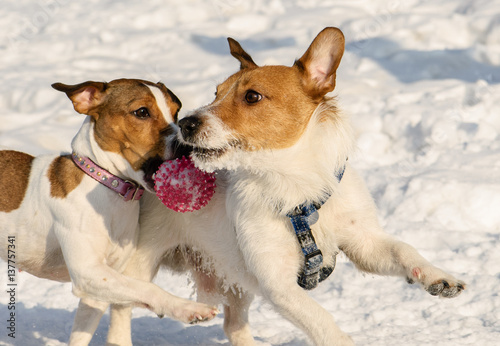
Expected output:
(84, 144)
(307, 171)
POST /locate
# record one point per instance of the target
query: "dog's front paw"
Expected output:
(195, 313)
(445, 289)
(436, 282)
(197, 318)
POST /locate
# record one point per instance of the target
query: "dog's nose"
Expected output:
(189, 126)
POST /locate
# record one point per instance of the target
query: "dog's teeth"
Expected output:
(153, 176)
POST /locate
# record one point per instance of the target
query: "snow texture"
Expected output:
(420, 80)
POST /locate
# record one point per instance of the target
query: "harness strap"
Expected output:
(302, 217)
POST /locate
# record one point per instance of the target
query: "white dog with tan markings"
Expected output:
(286, 146)
(75, 217)
(287, 200)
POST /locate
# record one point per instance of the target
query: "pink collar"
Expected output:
(129, 190)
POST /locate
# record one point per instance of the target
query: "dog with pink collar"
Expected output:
(75, 217)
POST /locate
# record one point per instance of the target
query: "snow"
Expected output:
(420, 80)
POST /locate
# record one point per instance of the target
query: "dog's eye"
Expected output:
(252, 96)
(141, 113)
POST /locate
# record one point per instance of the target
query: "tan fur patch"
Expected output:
(283, 113)
(64, 176)
(15, 168)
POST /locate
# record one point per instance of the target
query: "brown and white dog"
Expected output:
(74, 220)
(280, 146)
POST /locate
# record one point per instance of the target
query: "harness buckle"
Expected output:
(306, 240)
(313, 262)
(135, 188)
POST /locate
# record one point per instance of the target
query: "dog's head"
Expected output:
(132, 118)
(262, 108)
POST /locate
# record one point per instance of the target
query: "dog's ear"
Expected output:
(175, 105)
(319, 63)
(243, 57)
(85, 96)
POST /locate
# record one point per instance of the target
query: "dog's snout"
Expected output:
(189, 126)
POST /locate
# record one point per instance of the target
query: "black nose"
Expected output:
(189, 127)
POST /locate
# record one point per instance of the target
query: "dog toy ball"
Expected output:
(182, 187)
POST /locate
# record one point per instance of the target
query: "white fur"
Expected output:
(215, 135)
(160, 101)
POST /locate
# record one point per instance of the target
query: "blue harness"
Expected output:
(302, 217)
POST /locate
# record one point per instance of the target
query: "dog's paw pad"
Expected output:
(443, 289)
(198, 318)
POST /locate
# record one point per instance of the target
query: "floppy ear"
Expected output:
(319, 63)
(85, 96)
(243, 57)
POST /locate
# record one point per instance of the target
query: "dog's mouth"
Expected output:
(212, 159)
(151, 165)
(207, 154)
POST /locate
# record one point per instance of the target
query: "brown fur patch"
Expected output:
(64, 176)
(283, 113)
(15, 168)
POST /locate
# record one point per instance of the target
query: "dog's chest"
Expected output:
(96, 215)
(270, 240)
(121, 231)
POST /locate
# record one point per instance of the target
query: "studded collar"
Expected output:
(129, 190)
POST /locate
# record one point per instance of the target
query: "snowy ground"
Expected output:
(420, 79)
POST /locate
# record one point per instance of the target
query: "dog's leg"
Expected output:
(87, 319)
(143, 266)
(292, 302)
(276, 267)
(236, 305)
(92, 278)
(106, 284)
(236, 324)
(120, 330)
(374, 251)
